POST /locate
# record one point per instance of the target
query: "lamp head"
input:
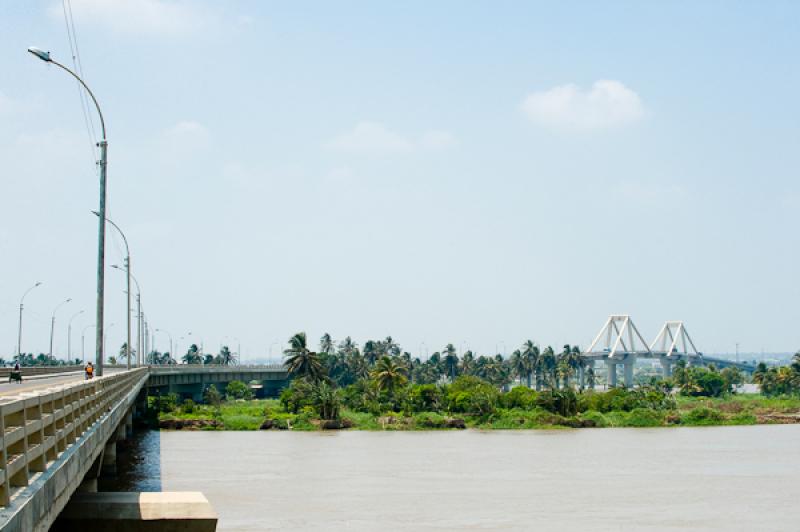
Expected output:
(37, 283)
(116, 266)
(41, 54)
(96, 213)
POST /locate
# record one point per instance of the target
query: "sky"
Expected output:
(476, 173)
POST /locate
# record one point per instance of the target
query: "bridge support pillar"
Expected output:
(129, 425)
(666, 365)
(89, 484)
(110, 459)
(581, 378)
(628, 366)
(611, 369)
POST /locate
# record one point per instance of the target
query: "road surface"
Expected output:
(29, 385)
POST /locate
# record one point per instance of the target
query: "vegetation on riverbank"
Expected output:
(384, 394)
(520, 408)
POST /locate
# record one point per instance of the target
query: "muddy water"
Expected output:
(716, 478)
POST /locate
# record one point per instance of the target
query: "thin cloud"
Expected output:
(138, 16)
(607, 104)
(374, 137)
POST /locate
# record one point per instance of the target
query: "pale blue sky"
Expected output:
(476, 173)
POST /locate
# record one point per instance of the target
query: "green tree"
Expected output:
(326, 344)
(450, 361)
(389, 375)
(192, 355)
(326, 400)
(212, 396)
(225, 357)
(238, 390)
(530, 352)
(301, 362)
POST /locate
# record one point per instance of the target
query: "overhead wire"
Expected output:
(72, 39)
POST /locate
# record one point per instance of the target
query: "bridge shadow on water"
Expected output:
(138, 464)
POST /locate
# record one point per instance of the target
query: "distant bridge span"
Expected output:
(619, 342)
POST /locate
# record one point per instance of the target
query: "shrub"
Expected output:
(595, 417)
(425, 397)
(430, 420)
(163, 403)
(188, 406)
(561, 402)
(472, 395)
(701, 415)
(297, 395)
(644, 417)
(519, 397)
(212, 396)
(238, 390)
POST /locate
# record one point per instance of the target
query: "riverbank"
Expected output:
(740, 409)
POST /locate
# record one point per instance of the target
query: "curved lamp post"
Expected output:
(171, 352)
(101, 233)
(83, 349)
(69, 335)
(127, 264)
(127, 270)
(19, 337)
(53, 325)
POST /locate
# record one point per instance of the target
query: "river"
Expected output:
(715, 478)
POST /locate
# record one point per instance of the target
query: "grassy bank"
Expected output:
(743, 409)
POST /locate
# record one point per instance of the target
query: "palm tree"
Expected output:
(531, 353)
(326, 344)
(389, 374)
(225, 357)
(389, 347)
(371, 352)
(547, 367)
(450, 361)
(467, 363)
(348, 346)
(192, 356)
(519, 365)
(300, 361)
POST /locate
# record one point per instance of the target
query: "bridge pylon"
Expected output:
(618, 342)
(672, 335)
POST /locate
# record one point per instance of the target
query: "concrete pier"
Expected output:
(611, 367)
(137, 512)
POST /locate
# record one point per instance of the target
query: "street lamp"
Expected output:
(19, 338)
(83, 348)
(69, 335)
(127, 269)
(171, 352)
(53, 324)
(101, 232)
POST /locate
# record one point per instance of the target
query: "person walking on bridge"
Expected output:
(89, 371)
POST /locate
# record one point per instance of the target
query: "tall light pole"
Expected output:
(19, 337)
(101, 232)
(53, 325)
(171, 352)
(69, 335)
(127, 269)
(83, 348)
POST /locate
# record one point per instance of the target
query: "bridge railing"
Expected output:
(38, 426)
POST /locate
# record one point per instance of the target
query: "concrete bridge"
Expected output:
(191, 380)
(58, 438)
(619, 343)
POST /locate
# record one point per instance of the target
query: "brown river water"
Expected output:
(715, 478)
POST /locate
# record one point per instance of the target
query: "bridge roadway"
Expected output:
(59, 434)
